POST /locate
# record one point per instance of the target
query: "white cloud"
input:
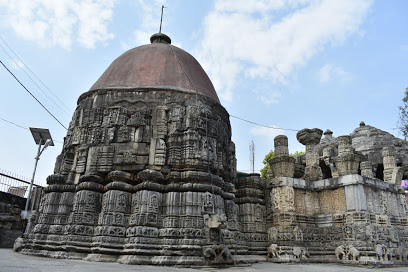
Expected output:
(251, 38)
(17, 65)
(59, 23)
(271, 98)
(150, 19)
(329, 72)
(268, 133)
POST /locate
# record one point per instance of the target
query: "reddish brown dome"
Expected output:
(157, 65)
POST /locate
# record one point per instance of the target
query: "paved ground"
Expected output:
(13, 262)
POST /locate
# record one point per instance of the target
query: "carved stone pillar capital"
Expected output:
(367, 169)
(310, 138)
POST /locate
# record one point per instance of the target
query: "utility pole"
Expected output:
(252, 156)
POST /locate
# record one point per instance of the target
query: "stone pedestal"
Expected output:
(282, 165)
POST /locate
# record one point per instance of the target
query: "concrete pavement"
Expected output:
(14, 262)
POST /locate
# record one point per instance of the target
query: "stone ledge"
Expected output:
(332, 183)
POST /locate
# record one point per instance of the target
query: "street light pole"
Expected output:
(41, 137)
(32, 178)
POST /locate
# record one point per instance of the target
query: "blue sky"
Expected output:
(284, 63)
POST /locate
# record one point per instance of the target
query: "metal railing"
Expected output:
(17, 185)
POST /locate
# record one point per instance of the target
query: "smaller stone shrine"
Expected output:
(339, 211)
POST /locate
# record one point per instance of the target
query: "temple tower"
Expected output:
(145, 174)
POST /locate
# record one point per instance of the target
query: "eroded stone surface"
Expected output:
(346, 218)
(144, 175)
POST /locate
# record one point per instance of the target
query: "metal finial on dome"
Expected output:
(161, 18)
(160, 38)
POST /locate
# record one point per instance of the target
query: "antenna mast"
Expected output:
(252, 156)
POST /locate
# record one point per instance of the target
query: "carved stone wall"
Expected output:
(139, 174)
(348, 219)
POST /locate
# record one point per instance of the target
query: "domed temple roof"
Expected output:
(158, 64)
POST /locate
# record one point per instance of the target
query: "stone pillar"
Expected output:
(85, 211)
(344, 147)
(252, 212)
(281, 146)
(367, 169)
(392, 173)
(347, 162)
(282, 165)
(110, 233)
(310, 138)
(389, 162)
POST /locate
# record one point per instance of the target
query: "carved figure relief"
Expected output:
(208, 204)
(298, 234)
(153, 204)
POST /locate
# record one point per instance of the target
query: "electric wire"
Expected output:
(13, 123)
(291, 129)
(25, 65)
(17, 125)
(192, 83)
(32, 94)
(32, 78)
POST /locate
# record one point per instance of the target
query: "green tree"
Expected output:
(403, 116)
(267, 167)
(270, 155)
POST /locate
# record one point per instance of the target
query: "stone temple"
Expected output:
(147, 175)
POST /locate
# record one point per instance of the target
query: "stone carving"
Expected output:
(367, 169)
(217, 254)
(353, 254)
(157, 152)
(347, 253)
(298, 234)
(340, 253)
(392, 173)
(401, 253)
(381, 252)
(300, 253)
(274, 251)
